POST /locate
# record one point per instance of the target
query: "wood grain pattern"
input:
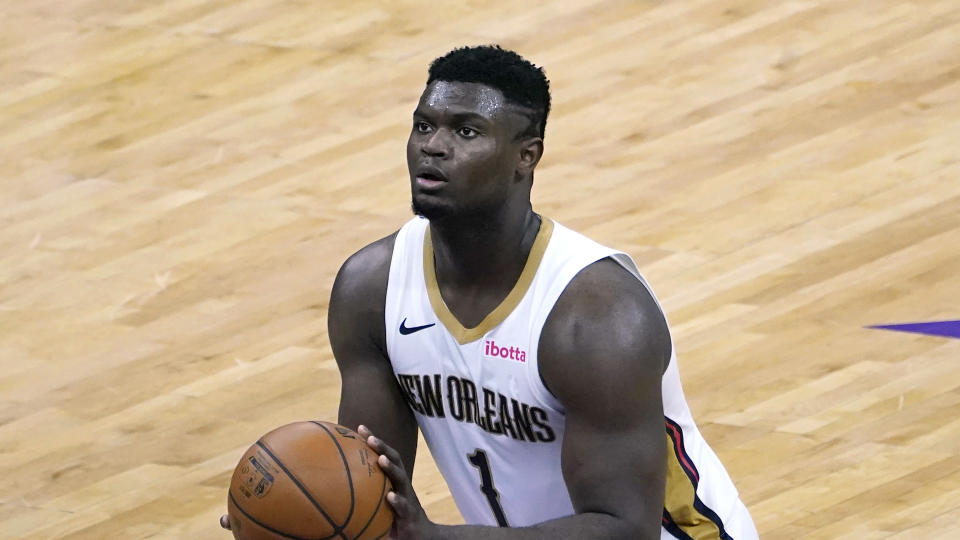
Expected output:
(180, 180)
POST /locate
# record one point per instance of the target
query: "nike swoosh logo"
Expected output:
(404, 330)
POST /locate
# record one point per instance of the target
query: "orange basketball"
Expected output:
(309, 480)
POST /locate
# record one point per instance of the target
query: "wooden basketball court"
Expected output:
(180, 180)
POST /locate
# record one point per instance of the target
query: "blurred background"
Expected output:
(180, 181)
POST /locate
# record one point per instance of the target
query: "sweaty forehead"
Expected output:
(459, 97)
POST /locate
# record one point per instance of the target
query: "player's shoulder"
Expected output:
(606, 291)
(371, 257)
(363, 276)
(608, 314)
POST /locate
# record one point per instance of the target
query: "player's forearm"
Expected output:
(595, 526)
(396, 424)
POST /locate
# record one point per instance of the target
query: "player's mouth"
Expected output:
(430, 178)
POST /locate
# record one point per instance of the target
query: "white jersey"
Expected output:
(492, 426)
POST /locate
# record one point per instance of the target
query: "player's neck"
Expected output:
(476, 255)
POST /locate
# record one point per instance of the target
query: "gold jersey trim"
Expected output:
(681, 503)
(465, 335)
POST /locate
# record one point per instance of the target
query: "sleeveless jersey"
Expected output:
(492, 426)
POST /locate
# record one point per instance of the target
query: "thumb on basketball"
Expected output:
(225, 522)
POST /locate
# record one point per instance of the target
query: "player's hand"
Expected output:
(225, 522)
(410, 521)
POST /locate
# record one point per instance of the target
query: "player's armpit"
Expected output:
(602, 352)
(369, 393)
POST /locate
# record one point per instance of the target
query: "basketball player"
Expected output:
(537, 363)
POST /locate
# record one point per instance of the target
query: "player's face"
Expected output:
(463, 151)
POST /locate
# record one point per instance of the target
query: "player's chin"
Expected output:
(431, 207)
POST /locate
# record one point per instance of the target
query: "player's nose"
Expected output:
(436, 145)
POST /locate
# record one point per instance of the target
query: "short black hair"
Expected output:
(521, 82)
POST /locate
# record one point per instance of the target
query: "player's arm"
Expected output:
(369, 393)
(602, 353)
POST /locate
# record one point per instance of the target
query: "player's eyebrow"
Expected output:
(456, 117)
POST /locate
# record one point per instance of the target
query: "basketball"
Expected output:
(309, 480)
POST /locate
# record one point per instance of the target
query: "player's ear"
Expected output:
(531, 150)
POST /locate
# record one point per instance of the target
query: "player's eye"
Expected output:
(421, 127)
(467, 132)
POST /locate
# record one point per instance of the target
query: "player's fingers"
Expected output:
(376, 443)
(384, 449)
(391, 454)
(371, 440)
(401, 507)
(225, 522)
(396, 474)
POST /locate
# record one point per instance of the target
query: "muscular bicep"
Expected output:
(602, 353)
(614, 455)
(369, 393)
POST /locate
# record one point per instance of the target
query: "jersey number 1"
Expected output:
(479, 460)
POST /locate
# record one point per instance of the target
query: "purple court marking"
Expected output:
(933, 328)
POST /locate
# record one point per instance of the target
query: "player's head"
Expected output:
(477, 133)
(524, 85)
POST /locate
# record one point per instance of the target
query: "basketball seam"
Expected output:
(346, 467)
(336, 528)
(269, 528)
(376, 510)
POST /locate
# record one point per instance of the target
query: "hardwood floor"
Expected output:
(180, 180)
